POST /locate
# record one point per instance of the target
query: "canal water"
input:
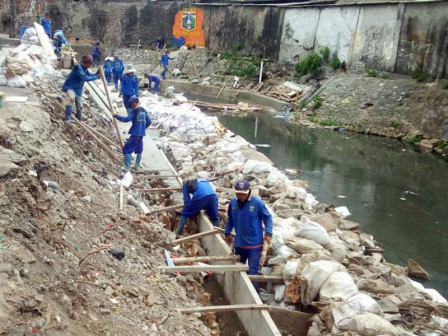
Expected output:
(397, 194)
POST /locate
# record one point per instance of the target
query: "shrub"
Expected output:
(418, 72)
(415, 140)
(249, 71)
(335, 62)
(317, 102)
(303, 103)
(330, 122)
(369, 72)
(394, 124)
(445, 84)
(325, 53)
(385, 75)
(310, 64)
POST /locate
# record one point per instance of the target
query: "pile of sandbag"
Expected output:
(23, 65)
(324, 260)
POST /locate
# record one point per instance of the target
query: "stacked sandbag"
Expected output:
(326, 263)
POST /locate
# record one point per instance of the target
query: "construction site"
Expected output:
(88, 247)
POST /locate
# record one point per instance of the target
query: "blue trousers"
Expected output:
(134, 144)
(117, 77)
(156, 84)
(126, 102)
(108, 77)
(96, 59)
(254, 256)
(208, 203)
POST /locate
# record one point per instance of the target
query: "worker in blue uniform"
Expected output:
(58, 40)
(108, 62)
(117, 70)
(74, 84)
(203, 198)
(246, 214)
(96, 54)
(46, 23)
(129, 86)
(140, 122)
(164, 61)
(153, 79)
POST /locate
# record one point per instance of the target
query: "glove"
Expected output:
(228, 239)
(267, 238)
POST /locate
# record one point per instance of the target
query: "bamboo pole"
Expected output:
(178, 261)
(266, 278)
(159, 189)
(209, 309)
(196, 236)
(103, 137)
(173, 207)
(205, 268)
(220, 90)
(106, 89)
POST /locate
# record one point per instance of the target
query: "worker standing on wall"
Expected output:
(164, 62)
(117, 70)
(246, 214)
(46, 23)
(129, 86)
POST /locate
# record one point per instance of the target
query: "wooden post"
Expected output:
(106, 89)
(209, 309)
(196, 236)
(159, 189)
(205, 268)
(103, 137)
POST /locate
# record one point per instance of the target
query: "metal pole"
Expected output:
(261, 72)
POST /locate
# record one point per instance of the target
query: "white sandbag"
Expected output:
(362, 302)
(274, 177)
(338, 286)
(256, 167)
(342, 211)
(302, 245)
(313, 231)
(3, 80)
(47, 69)
(435, 295)
(17, 82)
(280, 292)
(337, 248)
(313, 277)
(368, 324)
(2, 70)
(290, 269)
(281, 255)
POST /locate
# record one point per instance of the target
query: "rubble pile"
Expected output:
(329, 267)
(71, 263)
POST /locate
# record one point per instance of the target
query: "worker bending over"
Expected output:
(153, 79)
(203, 198)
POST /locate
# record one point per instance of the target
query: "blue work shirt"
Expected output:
(203, 188)
(140, 121)
(59, 35)
(107, 67)
(47, 25)
(129, 85)
(96, 50)
(118, 66)
(164, 60)
(75, 81)
(247, 222)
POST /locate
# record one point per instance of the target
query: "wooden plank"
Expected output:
(142, 174)
(111, 107)
(291, 321)
(159, 189)
(173, 207)
(266, 278)
(15, 99)
(211, 309)
(178, 261)
(205, 268)
(196, 236)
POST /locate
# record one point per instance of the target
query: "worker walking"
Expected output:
(96, 54)
(129, 86)
(74, 84)
(46, 23)
(164, 61)
(140, 122)
(117, 70)
(246, 214)
(153, 79)
(108, 62)
(203, 198)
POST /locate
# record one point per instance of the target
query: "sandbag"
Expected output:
(362, 302)
(290, 269)
(3, 80)
(368, 324)
(256, 167)
(338, 286)
(280, 292)
(302, 245)
(17, 82)
(313, 277)
(337, 248)
(313, 231)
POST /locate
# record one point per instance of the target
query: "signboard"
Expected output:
(188, 24)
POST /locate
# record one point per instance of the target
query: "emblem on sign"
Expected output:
(189, 20)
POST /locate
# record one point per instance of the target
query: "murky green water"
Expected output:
(395, 193)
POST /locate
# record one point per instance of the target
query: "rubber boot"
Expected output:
(78, 115)
(216, 222)
(127, 161)
(138, 160)
(181, 225)
(68, 113)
